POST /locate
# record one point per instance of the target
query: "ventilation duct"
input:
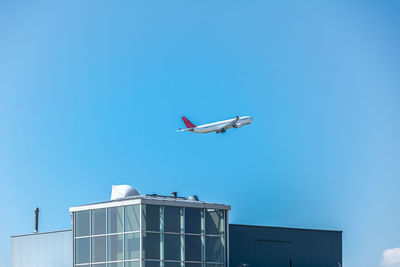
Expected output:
(194, 197)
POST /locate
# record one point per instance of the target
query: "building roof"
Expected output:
(42, 233)
(152, 200)
(282, 228)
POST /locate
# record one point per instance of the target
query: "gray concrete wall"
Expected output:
(52, 249)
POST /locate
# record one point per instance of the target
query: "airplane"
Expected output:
(218, 127)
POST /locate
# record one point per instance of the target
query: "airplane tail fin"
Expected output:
(188, 123)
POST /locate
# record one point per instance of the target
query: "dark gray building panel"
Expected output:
(261, 246)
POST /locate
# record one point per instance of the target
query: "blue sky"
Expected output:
(91, 93)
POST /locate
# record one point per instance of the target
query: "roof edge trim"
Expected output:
(150, 201)
(42, 233)
(285, 228)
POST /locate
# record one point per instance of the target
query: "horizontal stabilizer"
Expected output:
(184, 130)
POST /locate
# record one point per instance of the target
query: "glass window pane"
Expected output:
(132, 246)
(151, 246)
(151, 264)
(215, 222)
(192, 248)
(82, 223)
(214, 265)
(98, 222)
(151, 216)
(172, 219)
(214, 249)
(132, 219)
(115, 247)
(82, 250)
(172, 264)
(99, 249)
(132, 264)
(99, 265)
(193, 220)
(192, 264)
(115, 220)
(172, 247)
(115, 264)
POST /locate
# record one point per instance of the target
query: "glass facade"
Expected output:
(150, 236)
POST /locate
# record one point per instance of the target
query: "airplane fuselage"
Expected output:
(221, 126)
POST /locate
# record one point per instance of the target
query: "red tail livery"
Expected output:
(188, 123)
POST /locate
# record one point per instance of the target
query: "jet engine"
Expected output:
(237, 125)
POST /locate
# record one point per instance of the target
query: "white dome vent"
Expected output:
(123, 191)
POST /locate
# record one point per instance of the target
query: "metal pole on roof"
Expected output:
(36, 220)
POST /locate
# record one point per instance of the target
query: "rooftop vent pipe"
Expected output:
(174, 194)
(36, 220)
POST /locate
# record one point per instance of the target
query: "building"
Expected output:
(172, 231)
(147, 230)
(284, 247)
(51, 249)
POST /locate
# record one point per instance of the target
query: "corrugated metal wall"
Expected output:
(53, 249)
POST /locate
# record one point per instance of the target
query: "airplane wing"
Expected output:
(230, 124)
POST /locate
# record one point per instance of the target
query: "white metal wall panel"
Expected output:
(53, 249)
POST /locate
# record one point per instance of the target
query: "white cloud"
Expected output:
(391, 257)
